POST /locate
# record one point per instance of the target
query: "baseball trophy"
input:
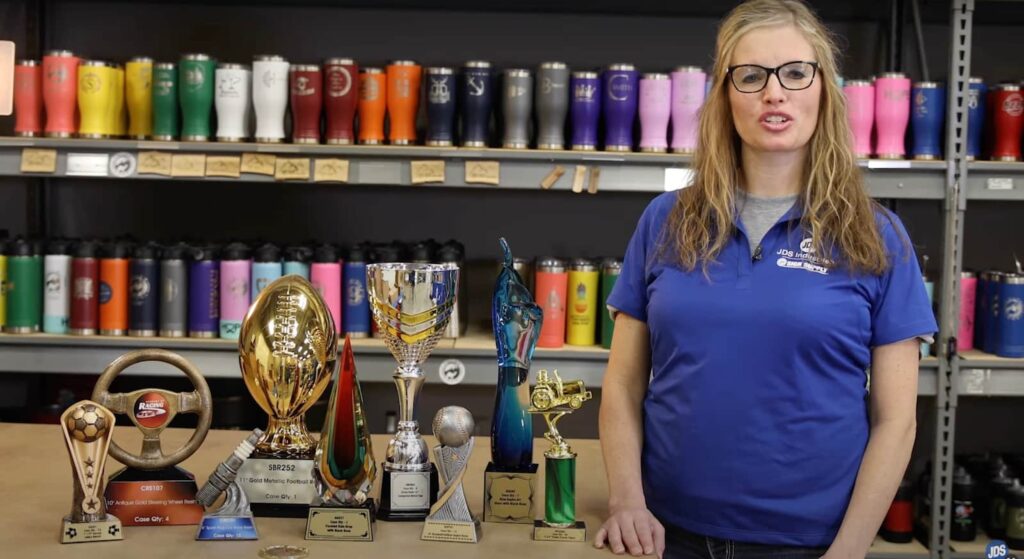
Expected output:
(509, 480)
(152, 490)
(345, 469)
(450, 519)
(287, 350)
(554, 398)
(87, 428)
(233, 520)
(411, 304)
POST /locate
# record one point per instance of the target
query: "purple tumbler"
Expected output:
(203, 293)
(688, 88)
(619, 103)
(585, 109)
(235, 277)
(655, 108)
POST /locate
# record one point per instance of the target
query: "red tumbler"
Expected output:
(306, 83)
(1007, 111)
(341, 95)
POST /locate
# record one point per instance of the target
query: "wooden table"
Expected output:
(36, 493)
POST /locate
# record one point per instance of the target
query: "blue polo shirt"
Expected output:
(756, 418)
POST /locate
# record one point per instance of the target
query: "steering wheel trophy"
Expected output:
(152, 490)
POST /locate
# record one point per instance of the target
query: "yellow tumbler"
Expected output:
(96, 83)
(581, 327)
(139, 97)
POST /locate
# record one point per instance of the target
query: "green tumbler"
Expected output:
(1015, 516)
(24, 288)
(165, 101)
(195, 92)
(610, 270)
(560, 491)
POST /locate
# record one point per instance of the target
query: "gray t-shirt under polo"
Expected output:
(760, 214)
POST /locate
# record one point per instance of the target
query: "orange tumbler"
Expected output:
(372, 96)
(28, 98)
(60, 92)
(113, 290)
(403, 100)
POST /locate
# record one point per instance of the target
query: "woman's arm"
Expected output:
(630, 525)
(893, 412)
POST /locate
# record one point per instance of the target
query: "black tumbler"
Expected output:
(964, 527)
(476, 92)
(440, 106)
(144, 291)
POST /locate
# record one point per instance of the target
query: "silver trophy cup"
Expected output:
(411, 304)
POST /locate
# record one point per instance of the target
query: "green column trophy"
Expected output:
(510, 477)
(554, 398)
(152, 489)
(344, 468)
(87, 427)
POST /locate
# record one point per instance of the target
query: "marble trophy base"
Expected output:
(165, 497)
(350, 524)
(543, 532)
(509, 495)
(451, 531)
(108, 529)
(278, 487)
(407, 496)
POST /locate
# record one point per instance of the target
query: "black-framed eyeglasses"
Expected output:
(752, 78)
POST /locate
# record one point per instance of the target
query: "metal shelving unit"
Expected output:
(391, 165)
(995, 180)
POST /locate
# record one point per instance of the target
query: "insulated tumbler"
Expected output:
(372, 103)
(927, 118)
(56, 287)
(892, 113)
(860, 111)
(3, 284)
(975, 117)
(1011, 326)
(452, 252)
(403, 99)
(551, 285)
(585, 110)
(655, 109)
(296, 261)
(551, 98)
(96, 83)
(269, 96)
(144, 291)
(1007, 120)
(582, 307)
(517, 107)
(114, 259)
(475, 100)
(266, 267)
(610, 270)
(619, 104)
(85, 290)
(440, 106)
(325, 275)
(355, 314)
(203, 293)
(233, 100)
(688, 84)
(307, 101)
(28, 98)
(341, 94)
(195, 94)
(24, 287)
(165, 101)
(138, 75)
(174, 290)
(968, 294)
(235, 270)
(60, 88)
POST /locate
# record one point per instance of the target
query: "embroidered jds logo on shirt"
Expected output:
(802, 259)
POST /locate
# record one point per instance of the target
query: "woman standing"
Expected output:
(736, 419)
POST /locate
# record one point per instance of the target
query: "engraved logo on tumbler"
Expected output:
(619, 88)
(476, 85)
(151, 410)
(170, 289)
(140, 287)
(1013, 105)
(270, 77)
(228, 86)
(369, 90)
(339, 81)
(585, 91)
(403, 87)
(91, 83)
(195, 78)
(302, 86)
(52, 282)
(581, 298)
(83, 288)
(105, 292)
(239, 287)
(547, 86)
(896, 94)
(1014, 308)
(163, 87)
(356, 292)
(439, 92)
(972, 99)
(58, 74)
(516, 91)
(261, 283)
(919, 104)
(554, 303)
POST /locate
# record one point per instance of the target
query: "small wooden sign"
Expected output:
(483, 172)
(223, 166)
(595, 176)
(330, 170)
(154, 163)
(552, 177)
(422, 172)
(34, 160)
(291, 168)
(259, 163)
(188, 165)
(578, 178)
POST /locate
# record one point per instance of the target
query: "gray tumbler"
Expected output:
(552, 100)
(517, 105)
(174, 291)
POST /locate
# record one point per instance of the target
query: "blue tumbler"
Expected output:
(355, 315)
(585, 109)
(296, 261)
(619, 99)
(975, 117)
(981, 309)
(144, 291)
(929, 286)
(926, 119)
(1011, 316)
(440, 106)
(266, 267)
(476, 92)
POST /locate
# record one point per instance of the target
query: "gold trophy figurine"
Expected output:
(87, 426)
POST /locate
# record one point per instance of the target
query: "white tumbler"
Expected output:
(232, 101)
(270, 97)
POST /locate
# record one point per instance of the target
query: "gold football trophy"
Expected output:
(87, 428)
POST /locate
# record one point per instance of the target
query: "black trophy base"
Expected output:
(165, 497)
(280, 487)
(544, 532)
(407, 496)
(336, 523)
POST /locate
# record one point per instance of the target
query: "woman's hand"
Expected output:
(634, 529)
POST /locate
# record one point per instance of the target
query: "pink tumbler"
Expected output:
(655, 107)
(325, 275)
(235, 275)
(860, 109)
(892, 114)
(689, 84)
(968, 290)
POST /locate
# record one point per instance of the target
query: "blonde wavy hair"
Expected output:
(838, 212)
